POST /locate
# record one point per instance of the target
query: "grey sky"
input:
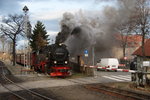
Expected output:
(50, 12)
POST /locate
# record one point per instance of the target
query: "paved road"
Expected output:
(114, 76)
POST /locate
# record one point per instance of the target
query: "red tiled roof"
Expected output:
(129, 37)
(132, 40)
(138, 52)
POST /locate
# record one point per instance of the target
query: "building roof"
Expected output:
(132, 40)
(138, 52)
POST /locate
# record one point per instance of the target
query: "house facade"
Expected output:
(133, 42)
(139, 55)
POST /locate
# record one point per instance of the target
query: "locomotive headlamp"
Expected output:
(60, 44)
(66, 62)
(55, 62)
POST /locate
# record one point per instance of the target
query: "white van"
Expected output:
(108, 64)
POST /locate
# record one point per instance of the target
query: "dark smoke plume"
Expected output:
(96, 29)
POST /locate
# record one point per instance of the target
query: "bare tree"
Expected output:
(12, 26)
(124, 29)
(143, 20)
(126, 23)
(139, 21)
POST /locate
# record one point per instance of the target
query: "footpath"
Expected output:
(19, 69)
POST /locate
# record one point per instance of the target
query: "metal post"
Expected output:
(24, 57)
(29, 61)
(94, 69)
(93, 52)
(29, 54)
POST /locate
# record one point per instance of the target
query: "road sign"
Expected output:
(86, 53)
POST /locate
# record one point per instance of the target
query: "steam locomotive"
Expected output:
(52, 59)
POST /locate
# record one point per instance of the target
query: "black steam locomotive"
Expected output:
(52, 59)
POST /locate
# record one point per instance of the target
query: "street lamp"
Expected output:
(26, 28)
(25, 9)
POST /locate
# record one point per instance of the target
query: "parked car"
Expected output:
(108, 64)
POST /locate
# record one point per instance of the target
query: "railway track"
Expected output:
(124, 94)
(22, 93)
(120, 93)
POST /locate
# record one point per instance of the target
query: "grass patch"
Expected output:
(78, 75)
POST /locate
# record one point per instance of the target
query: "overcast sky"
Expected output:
(48, 11)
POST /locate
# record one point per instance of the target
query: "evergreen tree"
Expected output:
(39, 38)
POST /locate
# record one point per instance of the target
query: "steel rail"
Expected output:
(108, 90)
(12, 92)
(30, 91)
(128, 94)
(35, 93)
(18, 96)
